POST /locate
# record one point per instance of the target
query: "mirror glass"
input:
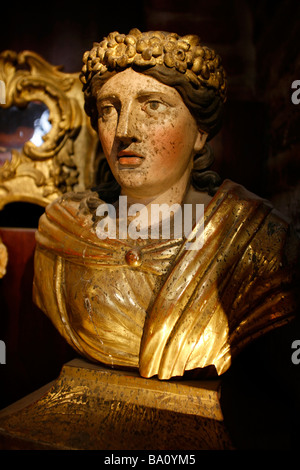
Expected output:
(19, 125)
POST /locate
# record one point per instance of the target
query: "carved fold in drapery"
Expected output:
(64, 161)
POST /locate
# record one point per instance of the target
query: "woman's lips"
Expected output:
(129, 159)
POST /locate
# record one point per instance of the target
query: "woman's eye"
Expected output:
(107, 111)
(152, 106)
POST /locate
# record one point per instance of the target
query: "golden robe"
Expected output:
(176, 309)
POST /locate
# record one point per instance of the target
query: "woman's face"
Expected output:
(148, 135)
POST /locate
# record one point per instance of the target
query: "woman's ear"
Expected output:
(200, 141)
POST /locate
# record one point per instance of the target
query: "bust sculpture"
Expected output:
(147, 303)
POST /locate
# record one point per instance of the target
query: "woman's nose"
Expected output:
(127, 131)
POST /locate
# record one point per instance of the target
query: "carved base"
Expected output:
(92, 408)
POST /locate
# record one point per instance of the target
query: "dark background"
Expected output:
(258, 146)
(258, 41)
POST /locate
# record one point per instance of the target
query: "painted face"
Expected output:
(148, 135)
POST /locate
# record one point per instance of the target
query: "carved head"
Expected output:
(180, 63)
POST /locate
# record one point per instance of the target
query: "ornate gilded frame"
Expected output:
(65, 160)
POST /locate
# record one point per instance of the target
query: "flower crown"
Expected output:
(201, 65)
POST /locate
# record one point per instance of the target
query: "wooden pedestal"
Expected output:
(93, 408)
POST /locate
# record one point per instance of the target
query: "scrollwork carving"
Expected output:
(64, 160)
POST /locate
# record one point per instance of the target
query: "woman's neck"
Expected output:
(173, 195)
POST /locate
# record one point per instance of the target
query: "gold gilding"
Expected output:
(91, 408)
(200, 64)
(40, 173)
(3, 259)
(176, 309)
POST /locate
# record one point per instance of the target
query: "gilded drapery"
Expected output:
(178, 309)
